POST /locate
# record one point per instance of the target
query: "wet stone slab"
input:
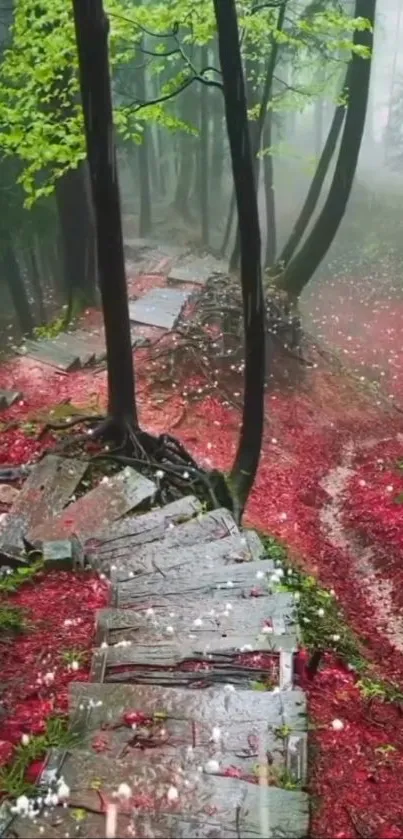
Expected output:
(166, 561)
(219, 580)
(44, 494)
(202, 806)
(93, 704)
(111, 499)
(198, 270)
(141, 529)
(49, 352)
(8, 397)
(159, 307)
(199, 619)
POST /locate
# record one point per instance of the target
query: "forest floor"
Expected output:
(330, 486)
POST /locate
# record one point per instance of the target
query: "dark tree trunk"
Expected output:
(258, 126)
(92, 28)
(11, 274)
(268, 173)
(246, 462)
(229, 225)
(77, 233)
(300, 270)
(143, 158)
(204, 154)
(186, 158)
(318, 180)
(36, 280)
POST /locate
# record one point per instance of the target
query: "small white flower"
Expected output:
(75, 665)
(267, 630)
(335, 638)
(25, 739)
(124, 791)
(279, 572)
(198, 622)
(212, 767)
(150, 612)
(49, 678)
(229, 688)
(230, 584)
(21, 806)
(216, 734)
(260, 575)
(172, 794)
(159, 474)
(321, 613)
(337, 725)
(169, 630)
(63, 791)
(228, 607)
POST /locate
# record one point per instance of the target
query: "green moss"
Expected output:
(50, 330)
(10, 583)
(11, 619)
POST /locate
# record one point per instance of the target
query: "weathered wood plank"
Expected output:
(48, 352)
(203, 805)
(163, 559)
(141, 529)
(160, 307)
(204, 528)
(111, 499)
(199, 619)
(213, 706)
(44, 494)
(219, 581)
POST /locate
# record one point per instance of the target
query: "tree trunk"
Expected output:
(300, 270)
(36, 280)
(143, 157)
(247, 457)
(204, 154)
(268, 172)
(318, 126)
(318, 180)
(12, 275)
(77, 236)
(186, 158)
(258, 126)
(91, 26)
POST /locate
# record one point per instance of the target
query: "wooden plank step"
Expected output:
(70, 342)
(129, 555)
(173, 801)
(218, 581)
(48, 352)
(197, 270)
(141, 529)
(160, 307)
(199, 619)
(92, 705)
(158, 559)
(44, 494)
(111, 499)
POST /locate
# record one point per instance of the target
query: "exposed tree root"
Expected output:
(163, 459)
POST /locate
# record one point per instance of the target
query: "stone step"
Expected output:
(163, 560)
(111, 499)
(199, 620)
(219, 723)
(176, 800)
(49, 352)
(197, 270)
(45, 493)
(128, 554)
(140, 529)
(160, 307)
(216, 580)
(210, 657)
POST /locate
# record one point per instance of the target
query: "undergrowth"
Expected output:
(323, 627)
(11, 619)
(12, 580)
(13, 779)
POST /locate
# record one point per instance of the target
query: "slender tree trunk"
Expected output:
(268, 172)
(77, 232)
(230, 223)
(143, 157)
(204, 154)
(258, 126)
(11, 274)
(318, 180)
(318, 126)
(247, 457)
(300, 270)
(91, 25)
(186, 158)
(36, 280)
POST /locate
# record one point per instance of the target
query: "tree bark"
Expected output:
(246, 462)
(186, 158)
(91, 26)
(12, 275)
(268, 173)
(299, 271)
(318, 180)
(143, 157)
(204, 154)
(77, 233)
